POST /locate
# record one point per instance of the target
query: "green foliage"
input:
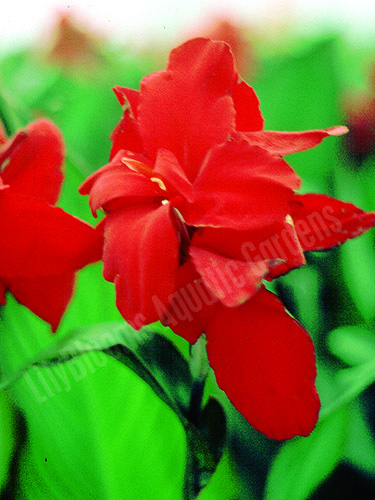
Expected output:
(113, 424)
(7, 437)
(360, 446)
(353, 344)
(81, 104)
(300, 91)
(97, 431)
(358, 255)
(351, 382)
(303, 463)
(157, 362)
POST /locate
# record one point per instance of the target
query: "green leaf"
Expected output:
(304, 463)
(304, 288)
(96, 430)
(358, 261)
(350, 382)
(205, 429)
(7, 437)
(158, 363)
(358, 256)
(352, 344)
(360, 448)
(149, 355)
(223, 484)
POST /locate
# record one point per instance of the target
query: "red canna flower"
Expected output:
(41, 246)
(201, 212)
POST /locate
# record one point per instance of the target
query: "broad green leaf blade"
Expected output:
(352, 344)
(360, 448)
(303, 463)
(154, 358)
(7, 437)
(159, 364)
(97, 430)
(169, 367)
(150, 355)
(351, 382)
(59, 401)
(224, 485)
(164, 369)
(303, 287)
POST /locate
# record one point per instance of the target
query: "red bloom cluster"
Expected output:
(41, 246)
(201, 209)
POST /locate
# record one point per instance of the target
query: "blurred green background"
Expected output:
(91, 428)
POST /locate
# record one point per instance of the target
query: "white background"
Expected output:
(140, 20)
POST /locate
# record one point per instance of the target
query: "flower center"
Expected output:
(143, 169)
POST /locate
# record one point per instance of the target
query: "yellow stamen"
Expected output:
(159, 182)
(137, 166)
(289, 220)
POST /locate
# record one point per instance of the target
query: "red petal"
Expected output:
(323, 222)
(128, 98)
(34, 168)
(7, 149)
(246, 104)
(191, 307)
(285, 143)
(141, 257)
(276, 244)
(37, 239)
(116, 184)
(240, 187)
(47, 297)
(264, 361)
(126, 135)
(187, 108)
(231, 281)
(169, 169)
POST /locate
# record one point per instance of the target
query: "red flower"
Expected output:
(201, 209)
(41, 246)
